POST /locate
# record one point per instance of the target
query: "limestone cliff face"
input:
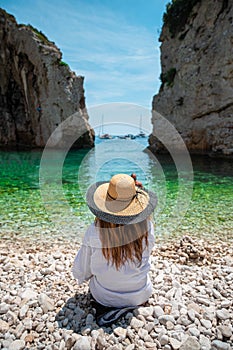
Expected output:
(196, 94)
(37, 90)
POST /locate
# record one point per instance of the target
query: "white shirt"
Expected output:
(128, 286)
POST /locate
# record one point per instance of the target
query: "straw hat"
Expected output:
(120, 201)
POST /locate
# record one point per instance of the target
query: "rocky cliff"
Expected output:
(196, 94)
(37, 89)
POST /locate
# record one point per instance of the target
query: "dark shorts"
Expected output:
(100, 309)
(105, 315)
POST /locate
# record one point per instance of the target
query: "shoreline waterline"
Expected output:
(25, 213)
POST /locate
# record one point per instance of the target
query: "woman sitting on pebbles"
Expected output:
(116, 248)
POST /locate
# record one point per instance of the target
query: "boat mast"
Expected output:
(101, 128)
(102, 124)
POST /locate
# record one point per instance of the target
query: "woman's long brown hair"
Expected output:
(121, 243)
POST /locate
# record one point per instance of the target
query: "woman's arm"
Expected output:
(82, 264)
(151, 235)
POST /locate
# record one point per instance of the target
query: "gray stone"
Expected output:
(11, 317)
(175, 270)
(216, 294)
(61, 345)
(86, 330)
(165, 318)
(19, 330)
(17, 345)
(226, 303)
(69, 342)
(167, 347)
(101, 342)
(130, 347)
(149, 326)
(130, 333)
(226, 330)
(223, 314)
(50, 326)
(72, 306)
(79, 313)
(28, 294)
(40, 327)
(24, 335)
(204, 342)
(129, 315)
(120, 332)
(89, 319)
(59, 267)
(45, 302)
(82, 343)
(149, 345)
(170, 293)
(65, 322)
(142, 333)
(5, 344)
(230, 276)
(178, 294)
(159, 277)
(4, 308)
(219, 345)
(194, 331)
(184, 320)
(136, 324)
(27, 322)
(209, 315)
(203, 301)
(148, 338)
(195, 307)
(23, 311)
(169, 325)
(191, 314)
(158, 311)
(175, 343)
(57, 336)
(164, 339)
(4, 326)
(57, 255)
(191, 343)
(145, 311)
(206, 323)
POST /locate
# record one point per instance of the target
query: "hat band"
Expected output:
(121, 200)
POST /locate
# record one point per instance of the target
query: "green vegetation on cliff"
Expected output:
(40, 35)
(168, 77)
(177, 13)
(62, 63)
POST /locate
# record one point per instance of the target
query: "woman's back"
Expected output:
(116, 249)
(128, 285)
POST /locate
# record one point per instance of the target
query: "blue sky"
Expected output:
(112, 43)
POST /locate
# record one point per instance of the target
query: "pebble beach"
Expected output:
(42, 307)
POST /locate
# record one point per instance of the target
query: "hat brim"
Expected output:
(117, 218)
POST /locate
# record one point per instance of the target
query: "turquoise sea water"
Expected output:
(36, 200)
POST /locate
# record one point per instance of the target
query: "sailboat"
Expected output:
(102, 135)
(141, 133)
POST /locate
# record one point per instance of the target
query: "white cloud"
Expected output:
(119, 61)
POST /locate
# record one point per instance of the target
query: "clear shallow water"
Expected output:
(23, 210)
